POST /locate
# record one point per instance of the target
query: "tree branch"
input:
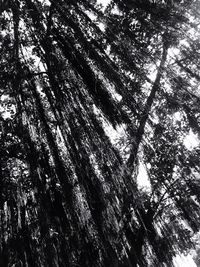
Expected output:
(144, 117)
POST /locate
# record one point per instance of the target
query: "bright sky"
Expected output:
(191, 140)
(184, 261)
(103, 2)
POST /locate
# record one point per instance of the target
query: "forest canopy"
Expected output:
(94, 104)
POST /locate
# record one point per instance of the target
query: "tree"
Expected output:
(69, 197)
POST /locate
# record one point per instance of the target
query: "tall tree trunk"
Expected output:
(145, 114)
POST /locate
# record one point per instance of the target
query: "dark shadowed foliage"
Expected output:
(92, 101)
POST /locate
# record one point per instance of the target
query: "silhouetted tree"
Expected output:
(70, 73)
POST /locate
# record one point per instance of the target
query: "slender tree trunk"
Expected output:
(145, 114)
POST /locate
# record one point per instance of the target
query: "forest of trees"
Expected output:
(89, 98)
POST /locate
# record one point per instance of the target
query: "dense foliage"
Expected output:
(89, 99)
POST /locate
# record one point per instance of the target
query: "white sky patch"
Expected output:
(152, 72)
(184, 42)
(4, 97)
(142, 178)
(113, 134)
(173, 52)
(46, 2)
(101, 26)
(103, 2)
(91, 15)
(191, 140)
(184, 261)
(177, 116)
